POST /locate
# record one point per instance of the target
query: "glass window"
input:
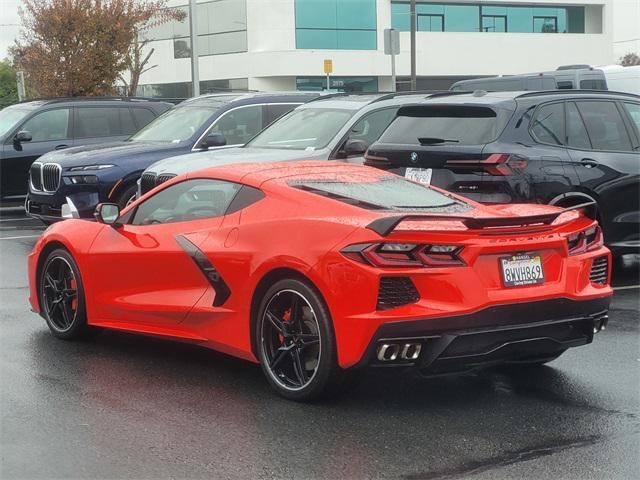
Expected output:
(545, 24)
(387, 192)
(342, 84)
(49, 125)
(182, 48)
(189, 200)
(10, 117)
(440, 125)
(127, 126)
(430, 23)
(547, 125)
(605, 125)
(494, 23)
(594, 84)
(634, 112)
(336, 24)
(240, 125)
(303, 129)
(143, 116)
(459, 17)
(370, 127)
(577, 136)
(175, 125)
(95, 122)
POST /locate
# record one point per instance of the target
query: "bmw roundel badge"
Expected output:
(414, 157)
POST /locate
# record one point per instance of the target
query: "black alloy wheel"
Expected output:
(296, 343)
(62, 296)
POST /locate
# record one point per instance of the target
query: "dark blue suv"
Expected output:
(80, 178)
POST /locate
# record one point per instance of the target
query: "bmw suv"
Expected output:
(560, 147)
(31, 129)
(80, 178)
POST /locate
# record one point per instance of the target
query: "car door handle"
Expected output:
(60, 147)
(589, 162)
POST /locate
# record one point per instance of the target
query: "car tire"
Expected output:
(61, 295)
(127, 196)
(295, 342)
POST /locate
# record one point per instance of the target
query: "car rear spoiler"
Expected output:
(385, 225)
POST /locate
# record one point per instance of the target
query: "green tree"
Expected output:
(8, 86)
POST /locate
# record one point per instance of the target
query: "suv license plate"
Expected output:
(420, 175)
(521, 270)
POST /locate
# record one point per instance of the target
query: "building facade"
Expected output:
(281, 44)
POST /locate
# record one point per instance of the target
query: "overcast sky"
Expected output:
(8, 19)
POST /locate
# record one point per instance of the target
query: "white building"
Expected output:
(281, 44)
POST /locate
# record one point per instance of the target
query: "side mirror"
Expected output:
(355, 147)
(23, 136)
(107, 213)
(213, 140)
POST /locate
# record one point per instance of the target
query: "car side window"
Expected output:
(605, 125)
(633, 109)
(96, 122)
(240, 125)
(49, 125)
(370, 127)
(143, 116)
(577, 136)
(127, 126)
(547, 125)
(189, 200)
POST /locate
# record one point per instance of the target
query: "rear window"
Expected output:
(454, 124)
(388, 193)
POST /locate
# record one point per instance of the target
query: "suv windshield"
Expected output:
(446, 124)
(303, 129)
(178, 124)
(388, 193)
(10, 117)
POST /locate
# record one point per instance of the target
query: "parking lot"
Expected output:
(128, 406)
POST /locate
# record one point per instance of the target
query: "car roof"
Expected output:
(365, 101)
(481, 97)
(91, 100)
(218, 99)
(255, 174)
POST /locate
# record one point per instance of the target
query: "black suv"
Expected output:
(80, 178)
(555, 147)
(31, 129)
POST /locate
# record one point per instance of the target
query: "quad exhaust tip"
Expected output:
(389, 352)
(600, 324)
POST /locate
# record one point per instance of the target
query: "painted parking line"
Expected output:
(626, 287)
(18, 219)
(16, 238)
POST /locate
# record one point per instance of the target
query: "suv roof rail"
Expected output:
(345, 94)
(405, 93)
(92, 98)
(569, 91)
(447, 93)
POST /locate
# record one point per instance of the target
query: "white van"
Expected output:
(622, 79)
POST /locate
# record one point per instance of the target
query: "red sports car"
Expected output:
(316, 269)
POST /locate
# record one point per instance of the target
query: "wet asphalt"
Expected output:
(124, 406)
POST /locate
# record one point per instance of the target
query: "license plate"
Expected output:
(420, 175)
(521, 270)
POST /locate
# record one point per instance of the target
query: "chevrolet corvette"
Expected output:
(317, 269)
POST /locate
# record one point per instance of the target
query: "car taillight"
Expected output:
(390, 255)
(498, 164)
(585, 241)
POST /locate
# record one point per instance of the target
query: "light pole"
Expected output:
(412, 19)
(193, 28)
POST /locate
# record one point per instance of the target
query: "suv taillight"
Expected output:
(391, 255)
(585, 241)
(498, 164)
(377, 161)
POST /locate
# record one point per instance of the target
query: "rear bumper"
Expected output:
(497, 334)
